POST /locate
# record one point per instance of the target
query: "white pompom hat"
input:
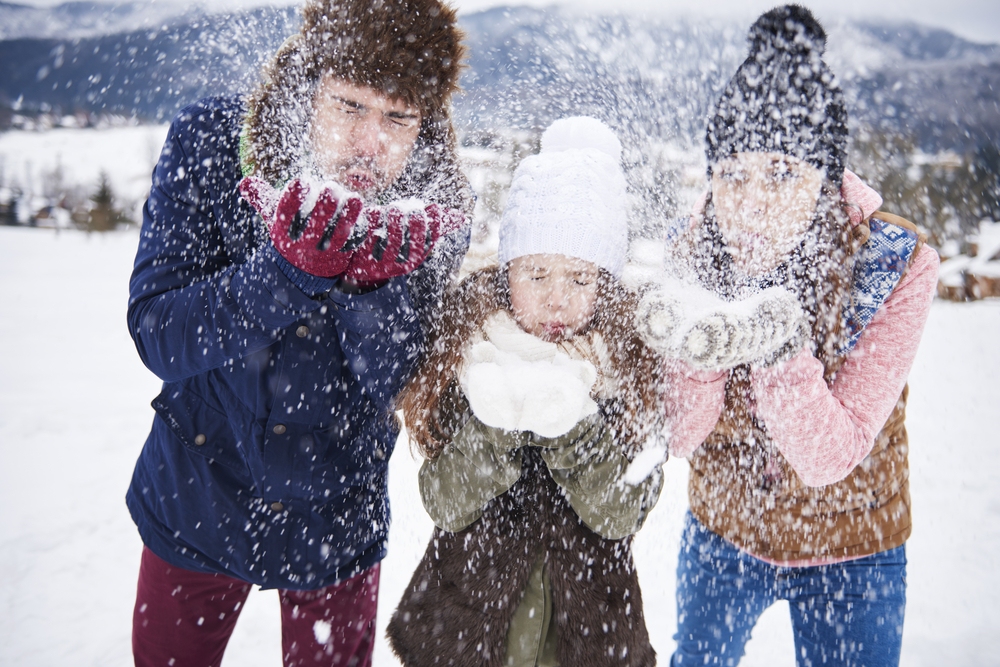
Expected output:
(570, 199)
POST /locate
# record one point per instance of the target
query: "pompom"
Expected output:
(579, 133)
(790, 28)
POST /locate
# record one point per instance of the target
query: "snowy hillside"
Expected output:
(75, 20)
(82, 19)
(74, 411)
(527, 66)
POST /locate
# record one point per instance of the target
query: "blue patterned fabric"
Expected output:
(880, 264)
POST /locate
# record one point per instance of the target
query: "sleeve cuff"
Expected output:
(266, 295)
(372, 312)
(309, 284)
(790, 372)
(679, 367)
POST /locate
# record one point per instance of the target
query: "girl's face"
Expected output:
(764, 203)
(552, 296)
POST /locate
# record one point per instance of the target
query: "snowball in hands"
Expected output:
(696, 325)
(518, 382)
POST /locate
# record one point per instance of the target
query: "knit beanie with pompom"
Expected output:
(783, 98)
(570, 199)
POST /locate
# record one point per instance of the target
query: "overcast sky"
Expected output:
(978, 20)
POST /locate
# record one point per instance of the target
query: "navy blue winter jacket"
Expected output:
(268, 453)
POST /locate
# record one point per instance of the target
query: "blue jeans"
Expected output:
(847, 614)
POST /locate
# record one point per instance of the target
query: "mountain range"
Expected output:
(651, 75)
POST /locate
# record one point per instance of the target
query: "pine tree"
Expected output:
(103, 214)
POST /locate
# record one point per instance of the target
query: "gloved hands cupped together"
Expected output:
(318, 239)
(708, 333)
(336, 234)
(398, 241)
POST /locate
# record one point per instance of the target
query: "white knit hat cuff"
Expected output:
(607, 253)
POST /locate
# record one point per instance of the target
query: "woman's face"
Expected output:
(764, 203)
(552, 296)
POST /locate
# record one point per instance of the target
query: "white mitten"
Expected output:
(556, 395)
(798, 340)
(547, 396)
(742, 332)
(658, 319)
(486, 385)
(709, 341)
(784, 326)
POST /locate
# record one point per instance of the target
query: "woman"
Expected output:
(798, 484)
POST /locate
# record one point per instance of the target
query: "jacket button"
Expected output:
(380, 454)
(302, 331)
(277, 507)
(199, 439)
(279, 429)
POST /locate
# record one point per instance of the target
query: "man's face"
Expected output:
(360, 138)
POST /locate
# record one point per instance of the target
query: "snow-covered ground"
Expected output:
(74, 411)
(67, 159)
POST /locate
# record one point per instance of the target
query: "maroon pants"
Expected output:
(184, 618)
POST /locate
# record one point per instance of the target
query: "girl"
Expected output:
(798, 484)
(530, 407)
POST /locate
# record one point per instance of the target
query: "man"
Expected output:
(283, 333)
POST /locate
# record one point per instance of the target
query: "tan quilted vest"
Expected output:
(748, 494)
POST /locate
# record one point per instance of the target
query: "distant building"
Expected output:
(976, 274)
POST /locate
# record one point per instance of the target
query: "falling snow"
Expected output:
(74, 411)
(74, 395)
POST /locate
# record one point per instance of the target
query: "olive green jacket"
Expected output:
(482, 462)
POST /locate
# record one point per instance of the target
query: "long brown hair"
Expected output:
(820, 272)
(635, 414)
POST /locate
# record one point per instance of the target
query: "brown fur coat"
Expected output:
(459, 604)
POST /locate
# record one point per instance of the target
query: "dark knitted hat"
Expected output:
(783, 98)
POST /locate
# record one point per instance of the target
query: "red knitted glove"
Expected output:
(398, 242)
(317, 245)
